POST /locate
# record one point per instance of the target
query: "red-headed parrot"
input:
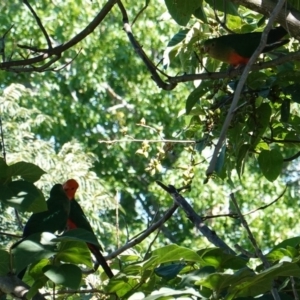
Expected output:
(52, 220)
(236, 49)
(77, 219)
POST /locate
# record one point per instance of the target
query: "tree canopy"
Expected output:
(188, 170)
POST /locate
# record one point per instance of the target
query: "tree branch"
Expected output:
(38, 20)
(167, 215)
(14, 286)
(139, 50)
(195, 218)
(56, 51)
(287, 17)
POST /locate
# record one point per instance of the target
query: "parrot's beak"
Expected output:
(205, 49)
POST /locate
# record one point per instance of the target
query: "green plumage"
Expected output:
(78, 218)
(229, 47)
(55, 218)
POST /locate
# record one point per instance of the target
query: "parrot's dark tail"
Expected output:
(275, 39)
(276, 34)
(21, 274)
(101, 261)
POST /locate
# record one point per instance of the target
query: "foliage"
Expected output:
(96, 115)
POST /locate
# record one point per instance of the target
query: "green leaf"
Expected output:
(216, 281)
(263, 115)
(74, 252)
(28, 171)
(34, 248)
(220, 160)
(78, 234)
(122, 284)
(167, 254)
(292, 242)
(24, 196)
(178, 37)
(262, 282)
(278, 254)
(181, 11)
(228, 6)
(67, 275)
(194, 97)
(35, 271)
(4, 262)
(173, 252)
(241, 157)
(170, 271)
(199, 13)
(217, 258)
(270, 163)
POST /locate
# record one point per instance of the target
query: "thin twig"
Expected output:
(233, 215)
(71, 292)
(150, 245)
(11, 235)
(139, 13)
(250, 235)
(286, 141)
(295, 156)
(18, 219)
(223, 24)
(145, 140)
(38, 20)
(2, 140)
(245, 252)
(294, 288)
(167, 215)
(258, 251)
(2, 43)
(68, 63)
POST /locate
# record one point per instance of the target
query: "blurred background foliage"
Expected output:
(73, 124)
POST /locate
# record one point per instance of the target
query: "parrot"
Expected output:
(77, 219)
(52, 220)
(236, 49)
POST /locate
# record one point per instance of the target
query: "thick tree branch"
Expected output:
(196, 219)
(287, 17)
(57, 51)
(219, 75)
(12, 285)
(139, 50)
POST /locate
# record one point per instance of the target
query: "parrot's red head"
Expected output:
(70, 187)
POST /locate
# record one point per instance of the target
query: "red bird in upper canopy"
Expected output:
(236, 49)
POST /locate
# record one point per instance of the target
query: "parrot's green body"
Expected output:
(77, 219)
(55, 218)
(236, 49)
(52, 220)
